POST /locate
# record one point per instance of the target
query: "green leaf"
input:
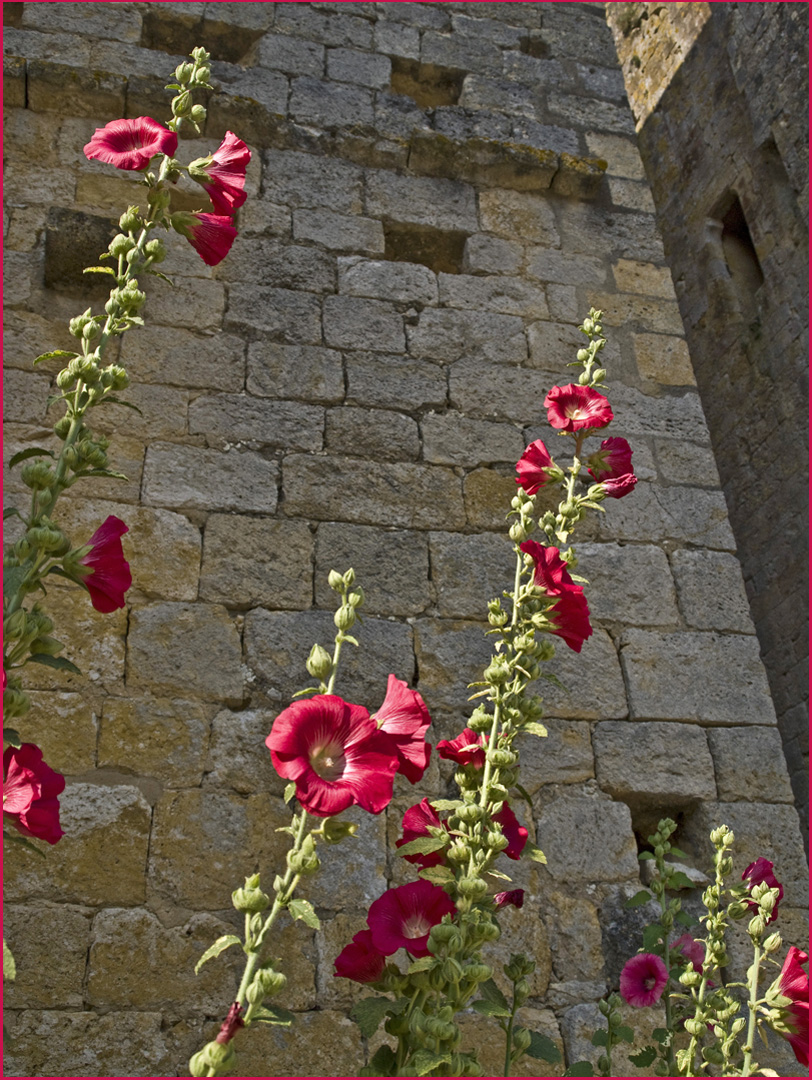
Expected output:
(684, 918)
(645, 1057)
(534, 853)
(524, 794)
(52, 400)
(103, 472)
(13, 577)
(679, 852)
(368, 1013)
(534, 728)
(381, 1063)
(220, 944)
(491, 992)
(424, 1062)
(56, 354)
(163, 277)
(625, 1034)
(678, 880)
(446, 804)
(498, 875)
(9, 967)
(15, 838)
(126, 404)
(639, 898)
(542, 1048)
(580, 1068)
(490, 1008)
(600, 1038)
(99, 270)
(290, 791)
(32, 451)
(12, 737)
(644, 856)
(12, 511)
(438, 875)
(307, 690)
(661, 1035)
(273, 1014)
(423, 845)
(303, 909)
(58, 663)
(350, 638)
(651, 936)
(425, 963)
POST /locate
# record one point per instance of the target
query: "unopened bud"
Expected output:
(472, 887)
(334, 831)
(183, 72)
(344, 618)
(181, 104)
(197, 114)
(772, 943)
(356, 598)
(250, 898)
(156, 250)
(214, 1055)
(120, 245)
(319, 664)
(335, 580)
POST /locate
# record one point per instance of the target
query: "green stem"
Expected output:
(336, 655)
(751, 1004)
(509, 1039)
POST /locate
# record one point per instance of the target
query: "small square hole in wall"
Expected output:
(428, 85)
(534, 46)
(177, 33)
(74, 240)
(739, 250)
(439, 249)
(13, 14)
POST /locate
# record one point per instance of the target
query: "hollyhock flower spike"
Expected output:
(360, 960)
(222, 174)
(335, 754)
(403, 917)
(30, 790)
(550, 571)
(788, 998)
(467, 749)
(577, 408)
(211, 235)
(762, 871)
(110, 576)
(405, 718)
(611, 466)
(643, 980)
(131, 144)
(415, 824)
(535, 468)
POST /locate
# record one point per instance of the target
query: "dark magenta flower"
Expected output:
(532, 467)
(467, 749)
(405, 718)
(788, 998)
(131, 144)
(577, 408)
(335, 754)
(550, 572)
(513, 898)
(569, 618)
(30, 789)
(403, 917)
(762, 871)
(691, 950)
(515, 833)
(211, 235)
(360, 960)
(416, 821)
(109, 576)
(643, 980)
(222, 174)
(611, 466)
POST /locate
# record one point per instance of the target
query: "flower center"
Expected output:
(649, 982)
(327, 759)
(416, 926)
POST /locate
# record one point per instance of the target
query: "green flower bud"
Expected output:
(737, 910)
(62, 427)
(755, 928)
(182, 103)
(183, 72)
(502, 757)
(582, 355)
(712, 1054)
(14, 625)
(344, 618)
(91, 330)
(155, 250)
(64, 381)
(214, 1055)
(356, 598)
(334, 831)
(121, 245)
(335, 581)
(496, 841)
(197, 114)
(498, 671)
(517, 532)
(202, 76)
(134, 256)
(480, 720)
(444, 935)
(603, 1064)
(266, 983)
(477, 973)
(46, 646)
(250, 898)
(349, 578)
(470, 813)
(15, 703)
(772, 943)
(77, 324)
(474, 888)
(319, 664)
(690, 978)
(522, 991)
(458, 852)
(37, 475)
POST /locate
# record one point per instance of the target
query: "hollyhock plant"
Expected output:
(611, 466)
(789, 1000)
(577, 408)
(335, 754)
(222, 174)
(643, 980)
(360, 960)
(403, 917)
(211, 235)
(110, 576)
(536, 468)
(131, 144)
(467, 749)
(692, 950)
(569, 618)
(30, 790)
(550, 571)
(405, 718)
(416, 822)
(758, 872)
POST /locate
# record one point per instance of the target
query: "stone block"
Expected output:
(450, 439)
(196, 478)
(256, 561)
(329, 104)
(185, 648)
(283, 52)
(629, 584)
(13, 82)
(649, 313)
(588, 113)
(562, 140)
(488, 1041)
(393, 382)
(490, 255)
(338, 232)
(73, 91)
(579, 1023)
(621, 154)
(457, 123)
(25, 185)
(587, 230)
(408, 283)
(750, 764)
(202, 309)
(353, 873)
(481, 389)
(439, 203)
(298, 372)
(710, 679)
(445, 335)
(392, 566)
(124, 25)
(556, 266)
(653, 763)
(683, 514)
(165, 738)
(279, 314)
(563, 757)
(237, 755)
(394, 493)
(373, 434)
(600, 697)
(645, 278)
(176, 357)
(31, 930)
(269, 261)
(631, 195)
(256, 422)
(551, 342)
(508, 295)
(65, 728)
(333, 27)
(467, 571)
(463, 53)
(354, 323)
(335, 934)
(395, 39)
(664, 360)
(260, 217)
(711, 590)
(587, 838)
(333, 1042)
(278, 643)
(518, 215)
(450, 654)
(486, 162)
(297, 179)
(352, 66)
(575, 936)
(100, 859)
(163, 413)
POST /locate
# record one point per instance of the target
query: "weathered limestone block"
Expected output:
(102, 856)
(621, 154)
(358, 323)
(392, 566)
(296, 179)
(488, 1040)
(339, 232)
(285, 315)
(291, 55)
(575, 936)
(518, 215)
(563, 757)
(64, 727)
(165, 738)
(446, 335)
(659, 763)
(664, 360)
(202, 307)
(681, 462)
(256, 422)
(750, 764)
(196, 478)
(392, 382)
(467, 571)
(353, 873)
(295, 372)
(334, 935)
(711, 590)
(507, 295)
(32, 931)
(237, 756)
(629, 584)
(557, 266)
(490, 163)
(450, 654)
(439, 203)
(28, 393)
(408, 283)
(485, 254)
(455, 440)
(373, 434)
(256, 561)
(708, 678)
(660, 513)
(593, 681)
(478, 388)
(328, 1041)
(267, 261)
(324, 104)
(580, 1023)
(185, 648)
(587, 838)
(487, 497)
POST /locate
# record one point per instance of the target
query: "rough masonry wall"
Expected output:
(744, 309)
(315, 402)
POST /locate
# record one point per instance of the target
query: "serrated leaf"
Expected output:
(446, 804)
(31, 451)
(534, 853)
(219, 946)
(15, 838)
(99, 270)
(600, 1038)
(382, 1062)
(12, 737)
(126, 404)
(368, 1013)
(534, 728)
(661, 1035)
(13, 577)
(543, 1049)
(103, 472)
(303, 909)
(548, 675)
(58, 663)
(163, 277)
(425, 963)
(651, 937)
(580, 1068)
(491, 992)
(12, 511)
(678, 852)
(423, 845)
(273, 1014)
(307, 690)
(56, 354)
(646, 1056)
(424, 1062)
(524, 794)
(290, 791)
(684, 918)
(9, 967)
(639, 898)
(437, 875)
(498, 875)
(625, 1034)
(644, 856)
(490, 1008)
(678, 880)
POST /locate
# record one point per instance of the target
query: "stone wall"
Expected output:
(731, 189)
(438, 193)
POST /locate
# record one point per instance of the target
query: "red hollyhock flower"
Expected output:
(403, 917)
(691, 950)
(30, 789)
(415, 824)
(360, 960)
(211, 235)
(619, 486)
(532, 466)
(514, 898)
(515, 833)
(405, 718)
(762, 871)
(611, 466)
(789, 998)
(643, 980)
(467, 749)
(335, 754)
(110, 577)
(551, 572)
(569, 617)
(576, 408)
(131, 144)
(222, 174)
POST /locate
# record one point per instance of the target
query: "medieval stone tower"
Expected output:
(438, 193)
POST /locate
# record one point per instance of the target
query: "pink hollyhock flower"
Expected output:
(360, 960)
(691, 950)
(788, 998)
(643, 980)
(619, 486)
(110, 575)
(515, 833)
(131, 144)
(550, 572)
(611, 466)
(513, 898)
(231, 1025)
(569, 617)
(222, 174)
(211, 235)
(762, 871)
(532, 467)
(30, 789)
(467, 749)
(576, 408)
(405, 718)
(403, 917)
(415, 824)
(335, 754)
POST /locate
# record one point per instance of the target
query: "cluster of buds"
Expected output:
(189, 77)
(319, 663)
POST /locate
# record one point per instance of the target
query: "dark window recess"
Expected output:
(740, 253)
(12, 15)
(428, 85)
(176, 33)
(73, 241)
(534, 46)
(438, 249)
